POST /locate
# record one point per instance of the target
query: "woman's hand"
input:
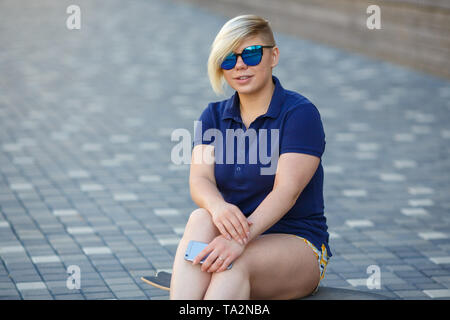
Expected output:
(222, 253)
(231, 222)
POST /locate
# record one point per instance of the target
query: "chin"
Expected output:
(248, 89)
(244, 90)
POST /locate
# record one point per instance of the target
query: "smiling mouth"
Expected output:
(243, 77)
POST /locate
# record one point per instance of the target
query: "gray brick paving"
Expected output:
(85, 171)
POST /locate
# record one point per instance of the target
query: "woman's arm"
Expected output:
(202, 183)
(227, 217)
(294, 171)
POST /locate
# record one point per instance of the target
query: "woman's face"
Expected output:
(259, 75)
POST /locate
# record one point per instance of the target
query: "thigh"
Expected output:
(280, 266)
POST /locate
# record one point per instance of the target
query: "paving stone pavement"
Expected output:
(86, 179)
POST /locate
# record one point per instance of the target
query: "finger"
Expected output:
(202, 254)
(223, 231)
(217, 264)
(237, 225)
(209, 261)
(231, 230)
(244, 223)
(225, 264)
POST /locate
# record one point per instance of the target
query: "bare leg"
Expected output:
(273, 266)
(233, 284)
(188, 281)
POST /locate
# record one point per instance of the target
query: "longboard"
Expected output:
(160, 281)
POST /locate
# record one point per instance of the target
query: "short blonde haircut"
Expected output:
(229, 38)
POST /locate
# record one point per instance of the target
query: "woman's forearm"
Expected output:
(276, 204)
(204, 193)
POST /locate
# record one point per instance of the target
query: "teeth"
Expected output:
(242, 78)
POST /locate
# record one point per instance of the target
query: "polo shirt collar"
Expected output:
(232, 109)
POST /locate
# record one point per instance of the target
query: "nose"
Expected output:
(240, 63)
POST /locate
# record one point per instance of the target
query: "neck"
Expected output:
(257, 103)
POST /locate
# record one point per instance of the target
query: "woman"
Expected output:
(269, 224)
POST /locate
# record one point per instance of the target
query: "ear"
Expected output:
(275, 56)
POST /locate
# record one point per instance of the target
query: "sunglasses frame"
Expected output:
(240, 55)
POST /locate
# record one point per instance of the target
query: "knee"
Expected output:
(199, 221)
(236, 281)
(199, 216)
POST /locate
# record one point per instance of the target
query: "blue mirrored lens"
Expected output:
(252, 55)
(229, 62)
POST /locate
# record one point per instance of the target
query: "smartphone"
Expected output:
(194, 248)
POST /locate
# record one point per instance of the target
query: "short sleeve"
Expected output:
(303, 131)
(204, 123)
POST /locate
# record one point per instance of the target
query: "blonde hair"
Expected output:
(229, 38)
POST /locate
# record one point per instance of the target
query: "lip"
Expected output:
(243, 81)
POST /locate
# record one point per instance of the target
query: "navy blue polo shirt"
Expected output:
(291, 124)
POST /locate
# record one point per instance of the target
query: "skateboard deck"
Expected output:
(160, 281)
